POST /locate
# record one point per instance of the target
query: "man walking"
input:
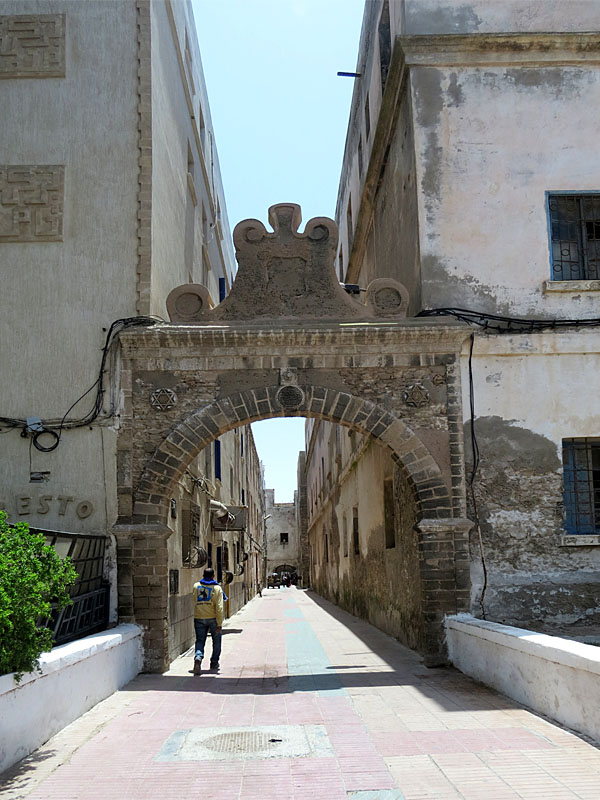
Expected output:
(208, 617)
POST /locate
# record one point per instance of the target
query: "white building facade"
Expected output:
(471, 174)
(110, 196)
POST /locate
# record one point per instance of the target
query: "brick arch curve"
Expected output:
(199, 428)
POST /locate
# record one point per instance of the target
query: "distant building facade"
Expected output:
(471, 174)
(282, 543)
(110, 196)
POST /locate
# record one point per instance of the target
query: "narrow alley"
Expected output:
(310, 702)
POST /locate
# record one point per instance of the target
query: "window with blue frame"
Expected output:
(574, 236)
(581, 469)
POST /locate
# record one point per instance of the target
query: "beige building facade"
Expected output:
(110, 196)
(471, 175)
(282, 542)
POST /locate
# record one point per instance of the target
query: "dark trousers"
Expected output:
(203, 627)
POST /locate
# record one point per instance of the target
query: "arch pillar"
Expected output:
(444, 566)
(143, 587)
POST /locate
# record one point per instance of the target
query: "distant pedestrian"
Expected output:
(208, 618)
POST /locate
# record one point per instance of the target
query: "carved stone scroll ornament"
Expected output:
(387, 298)
(188, 304)
(287, 275)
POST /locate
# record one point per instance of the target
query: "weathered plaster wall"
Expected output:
(531, 391)
(57, 296)
(483, 16)
(395, 231)
(482, 181)
(377, 583)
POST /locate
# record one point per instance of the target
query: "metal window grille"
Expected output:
(190, 535)
(87, 614)
(173, 581)
(575, 235)
(89, 611)
(581, 469)
(87, 554)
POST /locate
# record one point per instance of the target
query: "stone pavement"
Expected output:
(310, 703)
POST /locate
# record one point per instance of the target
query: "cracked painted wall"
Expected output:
(490, 142)
(531, 392)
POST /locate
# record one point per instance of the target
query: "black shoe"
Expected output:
(214, 665)
(197, 667)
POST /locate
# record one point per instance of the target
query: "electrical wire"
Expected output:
(499, 324)
(474, 469)
(55, 429)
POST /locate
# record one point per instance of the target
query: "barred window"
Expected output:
(190, 534)
(575, 236)
(581, 468)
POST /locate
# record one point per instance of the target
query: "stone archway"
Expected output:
(288, 341)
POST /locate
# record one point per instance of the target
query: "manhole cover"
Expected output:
(242, 742)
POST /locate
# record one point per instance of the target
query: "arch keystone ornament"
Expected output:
(289, 341)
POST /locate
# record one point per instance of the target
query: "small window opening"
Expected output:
(217, 453)
(388, 513)
(581, 472)
(575, 236)
(284, 538)
(385, 43)
(345, 535)
(349, 218)
(360, 157)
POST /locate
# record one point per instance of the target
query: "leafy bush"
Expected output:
(32, 576)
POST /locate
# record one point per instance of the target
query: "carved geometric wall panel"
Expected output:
(31, 203)
(32, 46)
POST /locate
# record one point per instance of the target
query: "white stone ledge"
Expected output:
(573, 287)
(579, 540)
(74, 678)
(554, 676)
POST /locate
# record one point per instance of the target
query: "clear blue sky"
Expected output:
(280, 115)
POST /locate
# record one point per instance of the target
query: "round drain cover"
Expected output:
(241, 742)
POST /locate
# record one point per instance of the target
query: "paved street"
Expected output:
(310, 703)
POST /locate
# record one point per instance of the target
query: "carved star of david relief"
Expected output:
(416, 395)
(163, 399)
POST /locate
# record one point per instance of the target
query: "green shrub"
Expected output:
(32, 576)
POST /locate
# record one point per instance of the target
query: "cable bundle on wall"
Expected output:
(55, 428)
